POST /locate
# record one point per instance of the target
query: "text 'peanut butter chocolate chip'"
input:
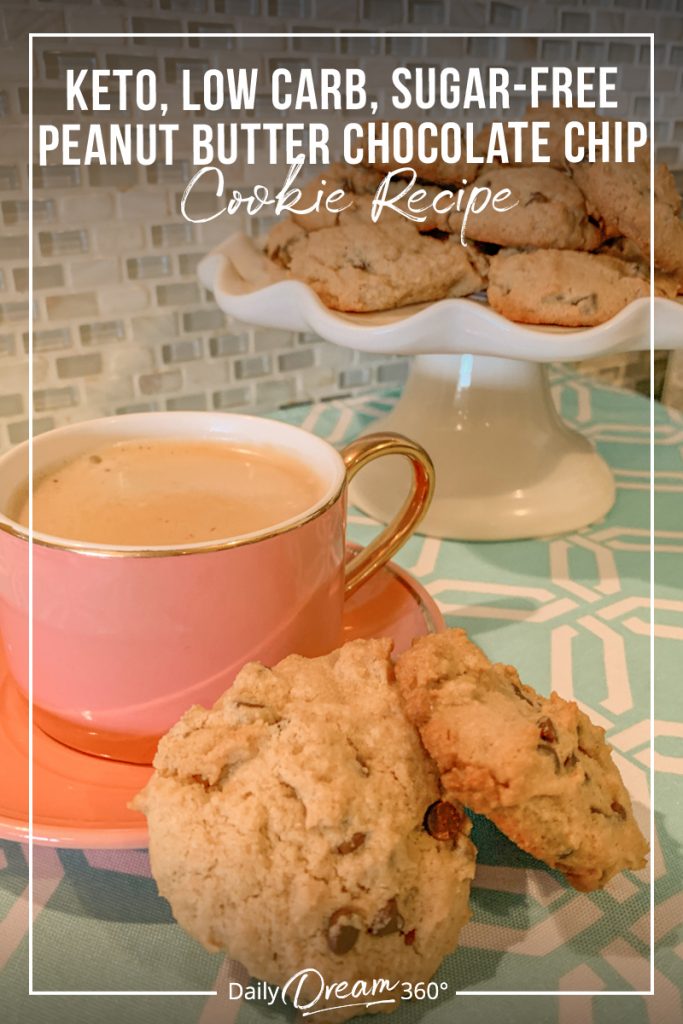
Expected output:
(342, 930)
(387, 921)
(443, 820)
(548, 730)
(349, 845)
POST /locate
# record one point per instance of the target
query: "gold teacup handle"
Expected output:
(358, 454)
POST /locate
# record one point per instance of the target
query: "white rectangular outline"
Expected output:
(334, 35)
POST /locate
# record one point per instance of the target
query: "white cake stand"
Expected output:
(477, 398)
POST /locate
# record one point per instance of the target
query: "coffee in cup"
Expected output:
(129, 632)
(160, 491)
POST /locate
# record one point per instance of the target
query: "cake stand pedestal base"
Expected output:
(507, 466)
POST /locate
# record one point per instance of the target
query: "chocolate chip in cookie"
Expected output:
(343, 930)
(349, 845)
(444, 821)
(548, 732)
(387, 921)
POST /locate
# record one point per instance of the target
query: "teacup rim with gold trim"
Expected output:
(185, 417)
(344, 465)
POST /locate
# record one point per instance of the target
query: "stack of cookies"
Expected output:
(313, 820)
(573, 251)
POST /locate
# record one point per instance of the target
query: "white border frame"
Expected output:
(332, 35)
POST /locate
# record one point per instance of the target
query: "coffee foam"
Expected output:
(160, 492)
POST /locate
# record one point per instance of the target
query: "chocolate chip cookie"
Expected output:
(544, 209)
(359, 266)
(299, 823)
(536, 766)
(570, 289)
(619, 195)
(666, 285)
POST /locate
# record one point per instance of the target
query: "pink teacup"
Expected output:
(126, 639)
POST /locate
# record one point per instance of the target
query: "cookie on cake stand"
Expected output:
(477, 398)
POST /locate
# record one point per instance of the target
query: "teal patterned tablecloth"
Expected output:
(572, 613)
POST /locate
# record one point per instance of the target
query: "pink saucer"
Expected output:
(81, 801)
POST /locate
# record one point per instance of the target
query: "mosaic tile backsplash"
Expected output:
(121, 322)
